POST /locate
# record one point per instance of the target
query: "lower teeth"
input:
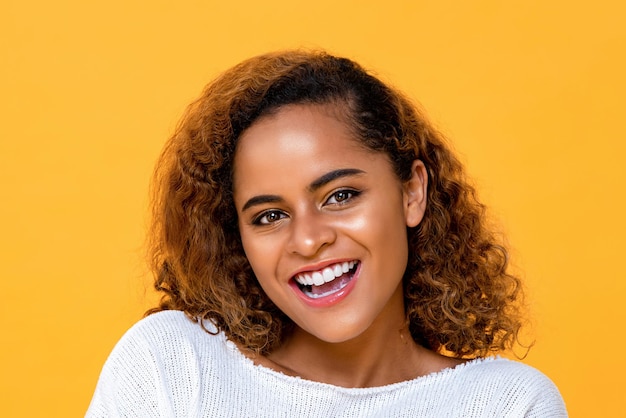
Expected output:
(338, 284)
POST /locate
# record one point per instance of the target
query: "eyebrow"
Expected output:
(315, 185)
(259, 200)
(334, 175)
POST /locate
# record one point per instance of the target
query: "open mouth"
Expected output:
(327, 281)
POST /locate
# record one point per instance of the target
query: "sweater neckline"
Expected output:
(428, 379)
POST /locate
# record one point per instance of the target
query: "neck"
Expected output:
(366, 361)
(383, 354)
(361, 362)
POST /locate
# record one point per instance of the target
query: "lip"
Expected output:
(331, 299)
(320, 266)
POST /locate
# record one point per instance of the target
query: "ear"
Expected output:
(414, 192)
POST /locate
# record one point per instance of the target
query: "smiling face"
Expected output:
(323, 221)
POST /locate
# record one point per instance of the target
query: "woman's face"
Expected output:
(323, 221)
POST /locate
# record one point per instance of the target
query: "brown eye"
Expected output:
(269, 217)
(272, 217)
(342, 196)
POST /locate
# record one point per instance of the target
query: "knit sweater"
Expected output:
(168, 366)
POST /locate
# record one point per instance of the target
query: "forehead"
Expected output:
(294, 131)
(297, 125)
(297, 143)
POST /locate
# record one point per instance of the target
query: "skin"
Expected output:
(309, 196)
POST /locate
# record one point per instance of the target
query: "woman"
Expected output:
(320, 253)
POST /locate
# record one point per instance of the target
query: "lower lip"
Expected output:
(332, 299)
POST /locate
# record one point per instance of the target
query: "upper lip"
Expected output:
(320, 266)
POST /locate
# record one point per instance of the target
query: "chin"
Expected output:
(339, 333)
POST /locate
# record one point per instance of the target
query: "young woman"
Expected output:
(320, 253)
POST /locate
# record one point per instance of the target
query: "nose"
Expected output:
(309, 234)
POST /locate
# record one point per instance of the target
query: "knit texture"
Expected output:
(167, 366)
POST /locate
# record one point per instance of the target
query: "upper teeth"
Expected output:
(325, 275)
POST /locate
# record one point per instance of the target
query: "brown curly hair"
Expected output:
(459, 297)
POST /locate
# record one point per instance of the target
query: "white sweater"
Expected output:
(167, 366)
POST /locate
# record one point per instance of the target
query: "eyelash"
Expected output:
(351, 194)
(258, 220)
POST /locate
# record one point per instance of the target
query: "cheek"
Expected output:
(385, 229)
(379, 219)
(251, 250)
(382, 233)
(261, 252)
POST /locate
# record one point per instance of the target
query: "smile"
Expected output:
(325, 282)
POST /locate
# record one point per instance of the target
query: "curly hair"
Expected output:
(459, 297)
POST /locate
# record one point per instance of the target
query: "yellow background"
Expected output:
(530, 92)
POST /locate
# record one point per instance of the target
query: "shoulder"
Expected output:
(166, 337)
(498, 370)
(163, 351)
(498, 366)
(517, 387)
(162, 332)
(164, 326)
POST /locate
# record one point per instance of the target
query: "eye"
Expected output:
(342, 196)
(269, 217)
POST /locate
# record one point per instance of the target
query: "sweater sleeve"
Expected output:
(129, 384)
(522, 391)
(499, 387)
(547, 401)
